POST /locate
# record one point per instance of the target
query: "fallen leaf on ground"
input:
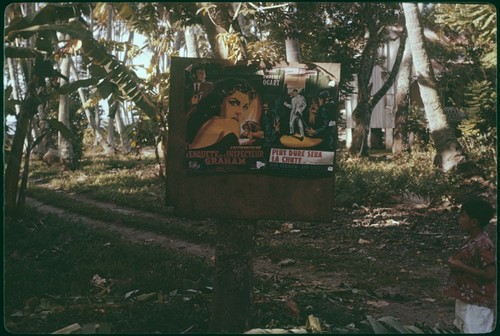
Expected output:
(147, 296)
(286, 262)
(378, 304)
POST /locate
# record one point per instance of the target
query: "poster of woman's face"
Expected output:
(228, 131)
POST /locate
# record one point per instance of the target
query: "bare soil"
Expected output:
(406, 242)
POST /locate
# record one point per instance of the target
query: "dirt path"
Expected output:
(408, 310)
(262, 267)
(135, 235)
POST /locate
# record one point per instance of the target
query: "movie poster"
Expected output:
(242, 119)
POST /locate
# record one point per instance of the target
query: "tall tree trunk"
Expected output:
(97, 113)
(292, 47)
(111, 132)
(120, 112)
(111, 118)
(362, 112)
(449, 153)
(40, 129)
(97, 121)
(401, 107)
(191, 42)
(213, 27)
(65, 147)
(14, 83)
(21, 200)
(120, 127)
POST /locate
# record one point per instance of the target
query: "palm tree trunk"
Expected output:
(36, 133)
(111, 132)
(65, 147)
(292, 47)
(191, 43)
(111, 119)
(402, 102)
(120, 112)
(14, 83)
(21, 199)
(120, 127)
(97, 121)
(449, 153)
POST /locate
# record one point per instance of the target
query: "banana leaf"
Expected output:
(111, 68)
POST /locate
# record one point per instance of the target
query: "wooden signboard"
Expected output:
(252, 143)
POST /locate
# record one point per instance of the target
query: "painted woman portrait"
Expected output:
(218, 120)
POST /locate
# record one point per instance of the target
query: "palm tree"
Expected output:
(402, 101)
(65, 147)
(110, 75)
(449, 153)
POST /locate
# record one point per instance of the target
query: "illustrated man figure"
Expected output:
(200, 88)
(297, 106)
(271, 124)
(325, 126)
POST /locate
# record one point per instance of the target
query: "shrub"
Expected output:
(479, 127)
(368, 182)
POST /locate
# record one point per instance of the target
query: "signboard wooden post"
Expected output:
(248, 143)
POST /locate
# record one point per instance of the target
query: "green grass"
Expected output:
(129, 182)
(372, 182)
(126, 181)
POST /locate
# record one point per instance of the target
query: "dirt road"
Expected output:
(410, 244)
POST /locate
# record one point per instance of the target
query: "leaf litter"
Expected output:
(405, 238)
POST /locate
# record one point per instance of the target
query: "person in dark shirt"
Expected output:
(199, 88)
(325, 123)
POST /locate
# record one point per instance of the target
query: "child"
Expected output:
(473, 271)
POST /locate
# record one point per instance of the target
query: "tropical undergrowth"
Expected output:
(127, 181)
(376, 181)
(124, 180)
